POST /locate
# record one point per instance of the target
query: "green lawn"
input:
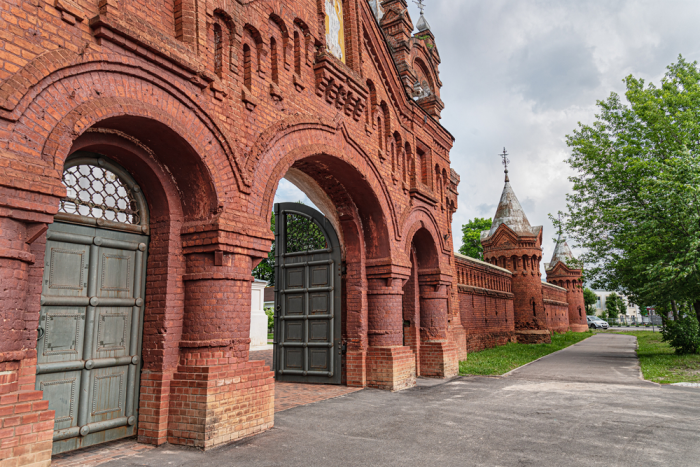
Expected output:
(270, 336)
(659, 362)
(500, 360)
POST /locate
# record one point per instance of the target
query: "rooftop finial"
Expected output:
(506, 161)
(420, 4)
(422, 24)
(559, 217)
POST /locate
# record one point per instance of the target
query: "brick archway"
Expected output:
(359, 212)
(426, 304)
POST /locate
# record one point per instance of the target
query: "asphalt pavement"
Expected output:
(585, 405)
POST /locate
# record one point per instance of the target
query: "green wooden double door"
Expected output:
(89, 344)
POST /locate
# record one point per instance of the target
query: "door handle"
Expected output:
(40, 333)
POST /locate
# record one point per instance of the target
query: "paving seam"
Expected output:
(322, 400)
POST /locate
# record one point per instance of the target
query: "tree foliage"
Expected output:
(589, 298)
(302, 234)
(635, 207)
(615, 305)
(265, 271)
(471, 237)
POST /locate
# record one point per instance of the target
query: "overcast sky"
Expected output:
(523, 73)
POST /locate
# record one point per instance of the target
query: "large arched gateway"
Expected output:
(140, 151)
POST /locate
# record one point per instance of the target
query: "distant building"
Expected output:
(601, 299)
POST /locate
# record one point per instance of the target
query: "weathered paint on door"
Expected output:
(307, 346)
(89, 349)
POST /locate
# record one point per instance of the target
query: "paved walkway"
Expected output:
(603, 358)
(582, 406)
(287, 396)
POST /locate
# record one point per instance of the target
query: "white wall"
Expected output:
(602, 297)
(258, 318)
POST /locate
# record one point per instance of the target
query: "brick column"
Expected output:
(217, 395)
(390, 364)
(438, 353)
(26, 423)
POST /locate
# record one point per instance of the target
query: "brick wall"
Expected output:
(486, 303)
(26, 423)
(556, 307)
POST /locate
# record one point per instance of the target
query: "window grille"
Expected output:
(98, 193)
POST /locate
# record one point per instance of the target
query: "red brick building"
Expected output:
(141, 146)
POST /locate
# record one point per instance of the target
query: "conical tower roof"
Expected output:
(562, 253)
(510, 213)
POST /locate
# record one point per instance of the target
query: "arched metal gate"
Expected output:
(307, 345)
(89, 346)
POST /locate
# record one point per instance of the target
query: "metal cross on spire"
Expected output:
(559, 216)
(506, 161)
(420, 4)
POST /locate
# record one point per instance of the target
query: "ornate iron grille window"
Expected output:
(98, 193)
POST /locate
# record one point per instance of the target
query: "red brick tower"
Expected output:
(512, 243)
(561, 274)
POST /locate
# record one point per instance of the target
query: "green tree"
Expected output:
(615, 305)
(635, 206)
(302, 234)
(471, 237)
(590, 299)
(265, 271)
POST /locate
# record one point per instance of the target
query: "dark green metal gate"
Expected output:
(89, 348)
(307, 345)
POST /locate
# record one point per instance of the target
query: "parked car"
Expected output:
(597, 323)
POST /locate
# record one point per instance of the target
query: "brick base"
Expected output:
(458, 335)
(579, 327)
(487, 340)
(439, 359)
(355, 368)
(213, 405)
(560, 329)
(392, 368)
(539, 336)
(26, 423)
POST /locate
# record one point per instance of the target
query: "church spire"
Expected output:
(509, 212)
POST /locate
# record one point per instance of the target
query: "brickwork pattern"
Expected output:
(26, 423)
(486, 303)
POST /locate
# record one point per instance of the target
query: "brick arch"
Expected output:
(131, 114)
(33, 96)
(356, 194)
(282, 144)
(422, 216)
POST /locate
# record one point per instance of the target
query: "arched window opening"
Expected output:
(275, 61)
(407, 158)
(297, 53)
(247, 67)
(438, 180)
(218, 50)
(372, 101)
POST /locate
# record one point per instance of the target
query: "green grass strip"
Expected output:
(659, 362)
(500, 360)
